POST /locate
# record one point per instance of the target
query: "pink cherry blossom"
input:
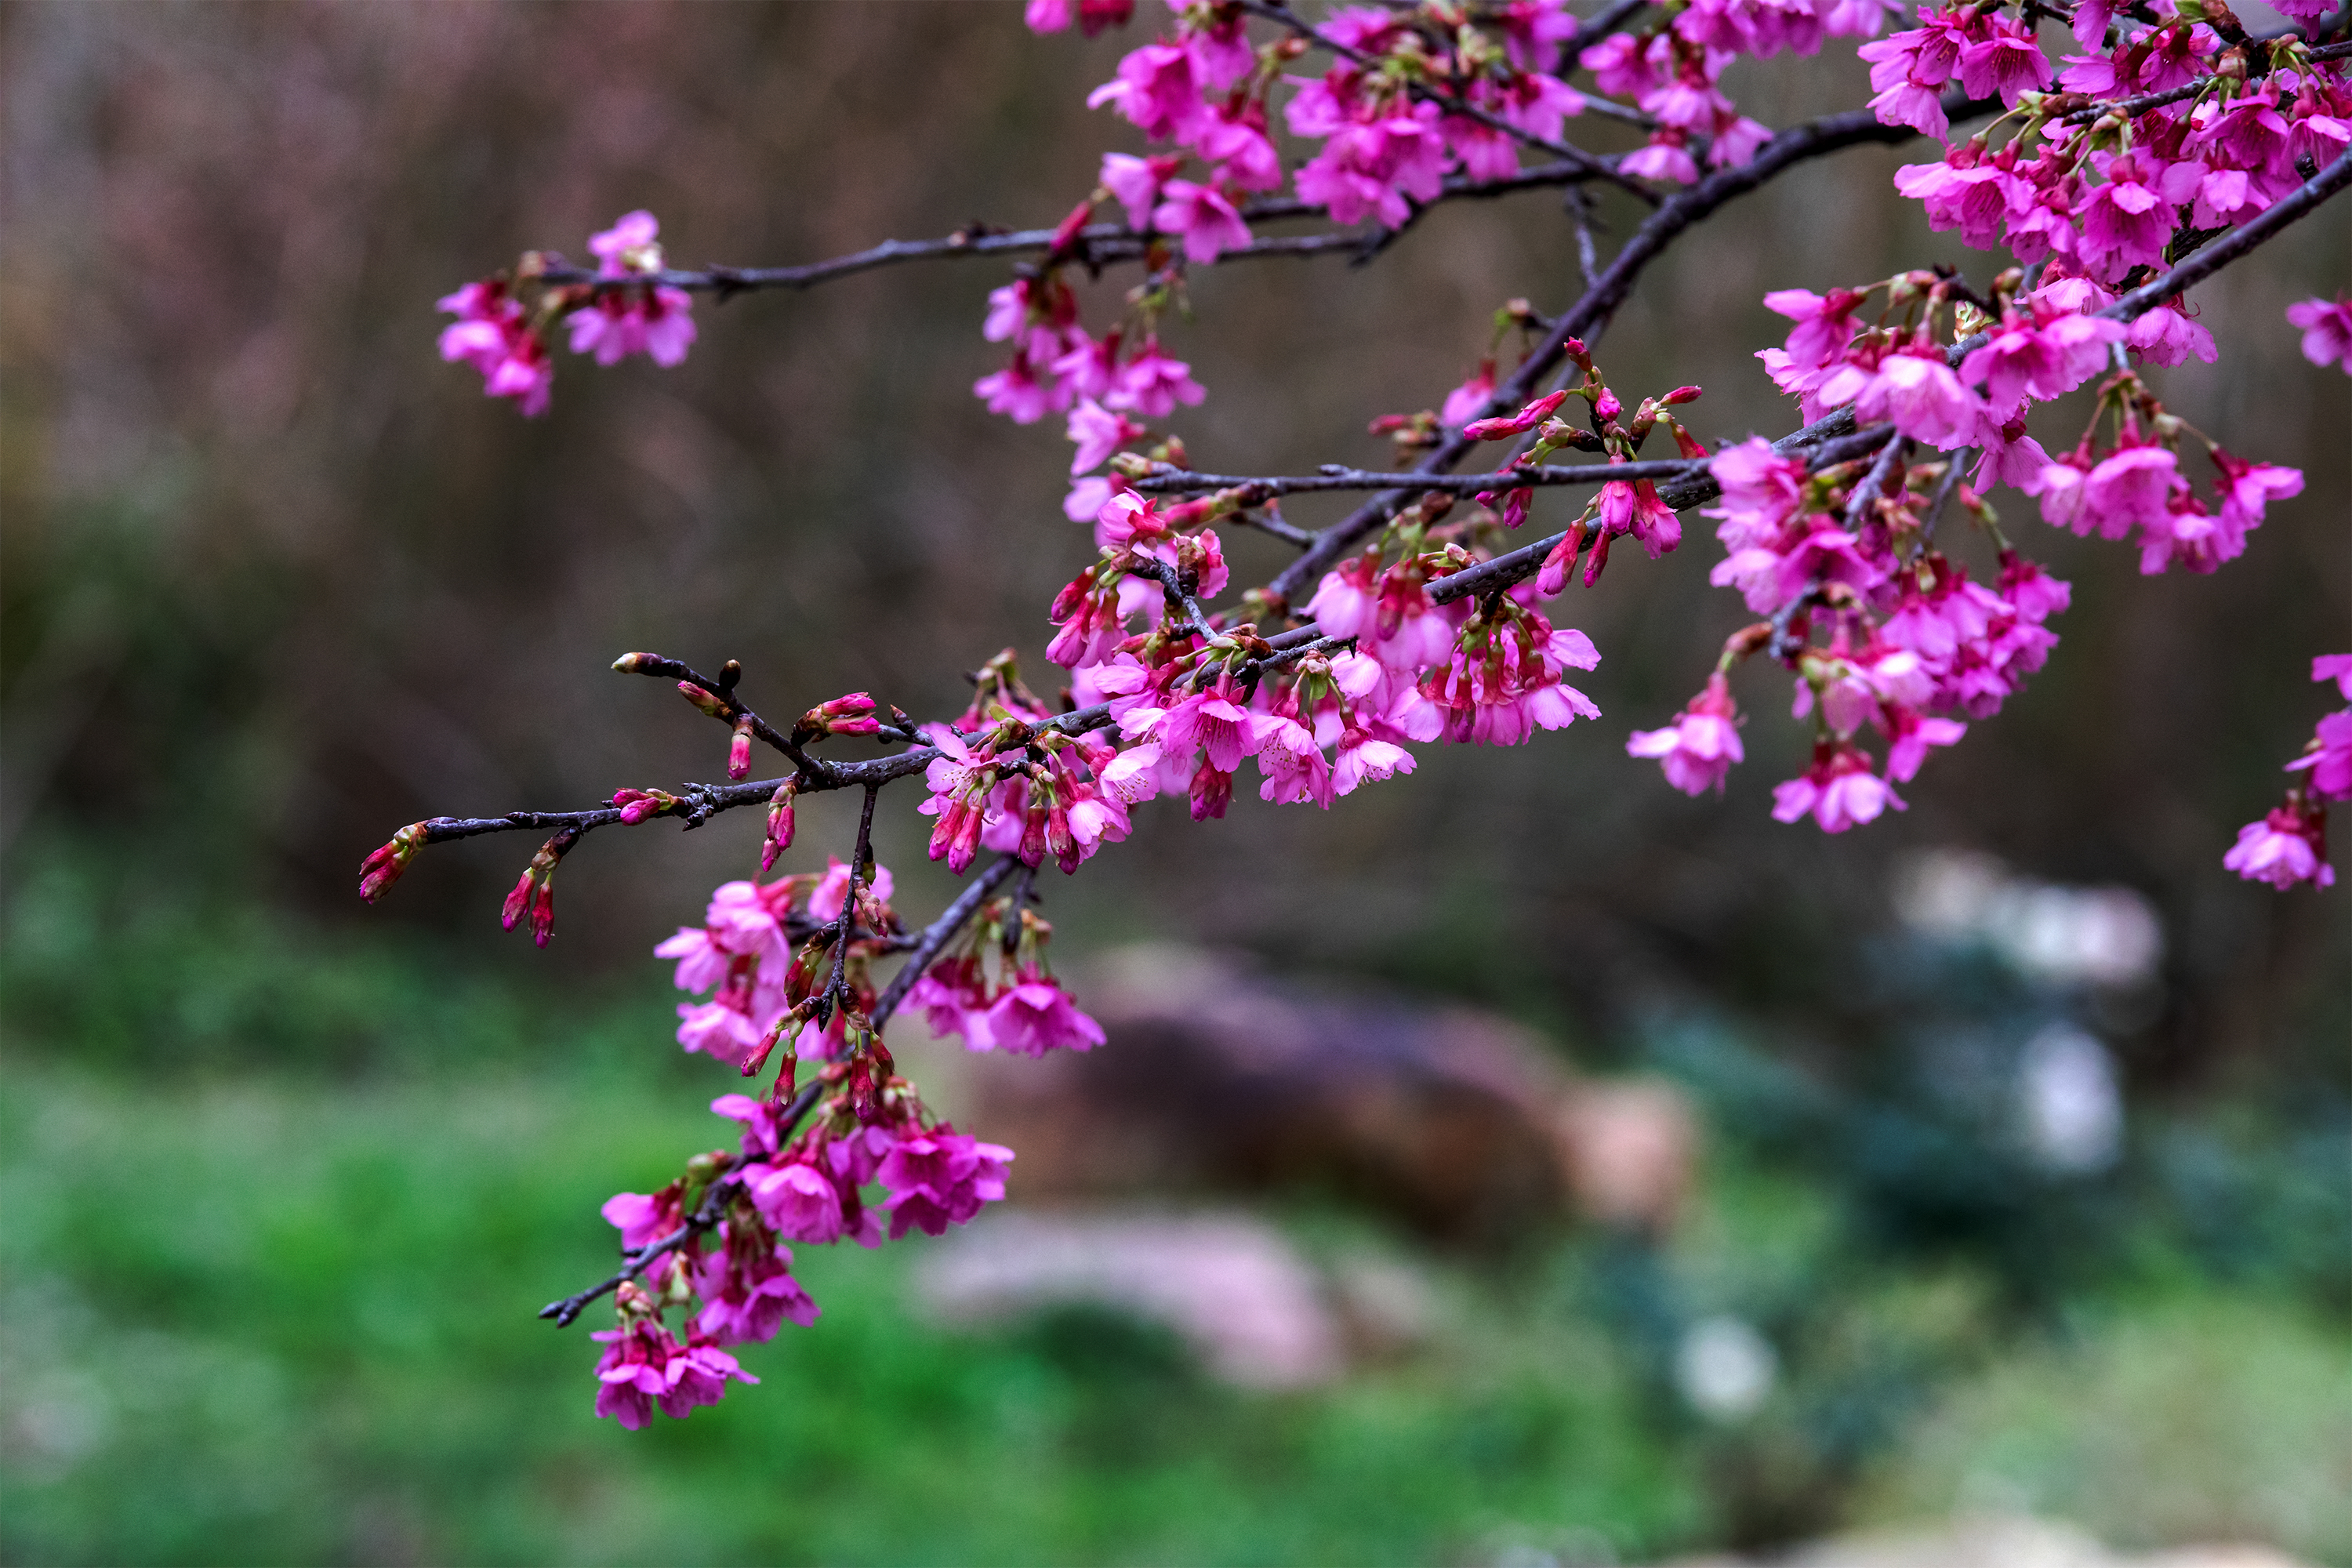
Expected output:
(1152, 384)
(2329, 762)
(2283, 848)
(1204, 218)
(1698, 749)
(940, 1178)
(2326, 330)
(1034, 1015)
(1839, 791)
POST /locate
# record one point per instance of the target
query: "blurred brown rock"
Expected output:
(1460, 1123)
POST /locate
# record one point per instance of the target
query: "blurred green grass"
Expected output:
(278, 1203)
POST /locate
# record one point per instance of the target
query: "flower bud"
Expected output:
(641, 805)
(779, 823)
(710, 703)
(637, 663)
(518, 901)
(382, 867)
(739, 750)
(1682, 394)
(1525, 419)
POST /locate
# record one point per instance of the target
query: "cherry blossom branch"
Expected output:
(1588, 315)
(1095, 245)
(1255, 487)
(2291, 208)
(733, 711)
(1453, 103)
(939, 933)
(861, 860)
(707, 1214)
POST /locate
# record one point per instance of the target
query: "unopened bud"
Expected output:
(384, 866)
(518, 901)
(714, 706)
(542, 911)
(1682, 394)
(739, 750)
(1525, 419)
(642, 804)
(637, 663)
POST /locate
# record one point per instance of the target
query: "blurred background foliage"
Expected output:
(283, 1178)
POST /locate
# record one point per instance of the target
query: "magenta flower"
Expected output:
(1697, 750)
(1825, 325)
(1099, 432)
(492, 336)
(1204, 217)
(747, 1293)
(1152, 383)
(2004, 60)
(1136, 183)
(1362, 760)
(1157, 88)
(2335, 666)
(644, 1365)
(940, 1178)
(2329, 760)
(2287, 847)
(642, 1219)
(2326, 330)
(1034, 1015)
(1294, 768)
(1839, 791)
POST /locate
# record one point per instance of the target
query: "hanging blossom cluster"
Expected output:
(2290, 844)
(503, 322)
(2116, 178)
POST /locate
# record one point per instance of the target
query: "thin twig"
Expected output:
(1183, 481)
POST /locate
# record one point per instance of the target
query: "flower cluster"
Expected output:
(712, 1243)
(766, 951)
(2290, 844)
(1672, 67)
(2163, 124)
(503, 322)
(994, 990)
(1907, 640)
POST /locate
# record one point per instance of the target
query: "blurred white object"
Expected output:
(1724, 1368)
(2100, 936)
(1229, 1284)
(2072, 1111)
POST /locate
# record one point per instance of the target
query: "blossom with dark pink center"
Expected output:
(2326, 330)
(1034, 1015)
(2286, 847)
(940, 1178)
(1204, 217)
(1362, 759)
(1839, 791)
(1825, 323)
(1152, 383)
(2329, 760)
(1157, 87)
(2003, 60)
(1698, 749)
(747, 1293)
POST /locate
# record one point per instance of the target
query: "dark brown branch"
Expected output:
(1095, 244)
(1183, 481)
(1590, 314)
(2291, 208)
(723, 691)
